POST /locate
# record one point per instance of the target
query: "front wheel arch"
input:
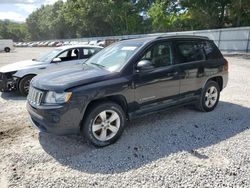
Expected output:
(20, 82)
(118, 99)
(89, 118)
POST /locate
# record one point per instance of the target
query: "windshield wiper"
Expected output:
(102, 66)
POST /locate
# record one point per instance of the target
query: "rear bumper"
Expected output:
(225, 80)
(53, 120)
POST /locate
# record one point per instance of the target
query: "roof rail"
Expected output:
(182, 36)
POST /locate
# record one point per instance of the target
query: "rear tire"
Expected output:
(7, 49)
(103, 124)
(24, 85)
(209, 98)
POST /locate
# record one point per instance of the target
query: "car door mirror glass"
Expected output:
(56, 60)
(144, 65)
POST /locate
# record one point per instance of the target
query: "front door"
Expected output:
(161, 84)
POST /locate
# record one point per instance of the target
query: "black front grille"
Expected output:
(35, 96)
(3, 82)
(2, 76)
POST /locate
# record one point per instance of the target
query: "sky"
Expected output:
(18, 10)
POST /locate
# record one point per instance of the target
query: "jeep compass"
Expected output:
(128, 79)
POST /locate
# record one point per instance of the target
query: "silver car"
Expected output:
(17, 76)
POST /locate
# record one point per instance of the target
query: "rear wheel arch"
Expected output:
(209, 97)
(217, 79)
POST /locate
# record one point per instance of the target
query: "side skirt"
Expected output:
(159, 108)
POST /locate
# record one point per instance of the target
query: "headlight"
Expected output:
(55, 98)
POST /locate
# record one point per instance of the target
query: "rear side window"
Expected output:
(88, 52)
(190, 51)
(211, 50)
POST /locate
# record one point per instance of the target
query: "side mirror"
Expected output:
(56, 60)
(144, 65)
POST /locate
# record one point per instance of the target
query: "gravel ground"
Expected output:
(177, 148)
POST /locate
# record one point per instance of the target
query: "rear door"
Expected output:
(191, 60)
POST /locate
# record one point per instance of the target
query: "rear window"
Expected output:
(190, 51)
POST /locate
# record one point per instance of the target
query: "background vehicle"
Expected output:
(125, 80)
(59, 44)
(6, 45)
(17, 76)
(93, 42)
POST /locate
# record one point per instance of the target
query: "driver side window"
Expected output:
(160, 55)
(69, 55)
(63, 55)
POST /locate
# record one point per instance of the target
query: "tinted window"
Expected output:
(190, 51)
(160, 55)
(211, 51)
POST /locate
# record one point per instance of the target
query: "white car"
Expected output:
(6, 45)
(17, 76)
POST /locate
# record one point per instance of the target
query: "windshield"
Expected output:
(115, 56)
(47, 58)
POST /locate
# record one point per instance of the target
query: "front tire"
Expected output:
(103, 124)
(24, 85)
(210, 96)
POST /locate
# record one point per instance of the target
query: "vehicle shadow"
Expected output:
(151, 138)
(12, 96)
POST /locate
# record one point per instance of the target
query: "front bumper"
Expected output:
(57, 119)
(7, 84)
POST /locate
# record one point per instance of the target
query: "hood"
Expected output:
(66, 77)
(20, 66)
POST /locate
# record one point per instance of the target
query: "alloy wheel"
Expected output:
(211, 96)
(106, 125)
(27, 86)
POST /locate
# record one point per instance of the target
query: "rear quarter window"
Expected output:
(211, 50)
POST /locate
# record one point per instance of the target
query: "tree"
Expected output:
(207, 14)
(16, 31)
(86, 18)
(240, 13)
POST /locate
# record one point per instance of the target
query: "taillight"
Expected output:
(226, 65)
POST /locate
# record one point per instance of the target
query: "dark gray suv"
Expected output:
(126, 80)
